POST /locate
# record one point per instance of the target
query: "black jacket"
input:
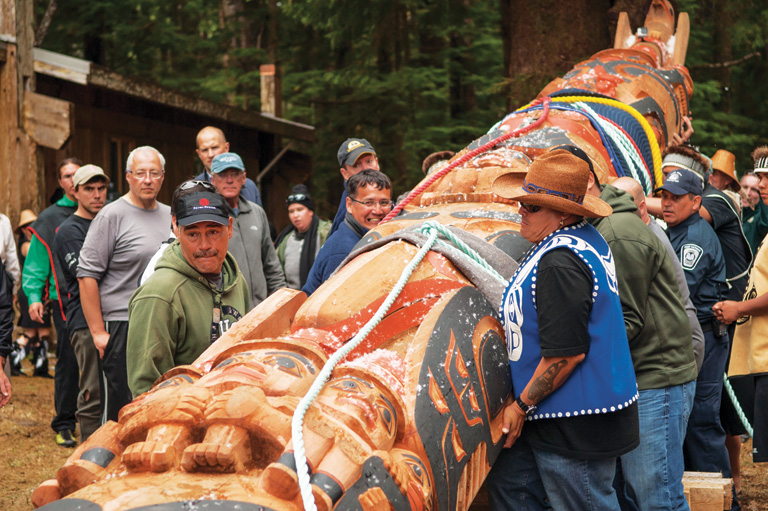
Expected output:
(6, 313)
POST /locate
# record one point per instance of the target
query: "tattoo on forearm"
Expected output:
(542, 386)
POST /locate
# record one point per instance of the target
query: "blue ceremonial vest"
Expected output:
(605, 381)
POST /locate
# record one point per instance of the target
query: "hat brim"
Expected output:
(196, 219)
(673, 189)
(353, 156)
(509, 187)
(734, 184)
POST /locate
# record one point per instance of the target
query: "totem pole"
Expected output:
(383, 390)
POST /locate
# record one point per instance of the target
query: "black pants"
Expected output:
(66, 384)
(114, 375)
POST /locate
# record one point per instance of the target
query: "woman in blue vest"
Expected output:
(575, 410)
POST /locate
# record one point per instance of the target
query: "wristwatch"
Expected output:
(527, 409)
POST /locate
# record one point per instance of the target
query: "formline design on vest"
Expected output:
(519, 301)
(558, 239)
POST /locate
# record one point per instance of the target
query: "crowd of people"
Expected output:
(135, 287)
(618, 389)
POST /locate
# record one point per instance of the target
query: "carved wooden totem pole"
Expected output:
(405, 337)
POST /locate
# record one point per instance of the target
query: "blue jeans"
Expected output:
(653, 472)
(513, 483)
(526, 479)
(704, 447)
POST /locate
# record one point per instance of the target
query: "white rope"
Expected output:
(431, 229)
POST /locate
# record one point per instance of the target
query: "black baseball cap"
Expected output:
(201, 207)
(352, 149)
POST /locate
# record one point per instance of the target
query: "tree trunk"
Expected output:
(546, 39)
(723, 47)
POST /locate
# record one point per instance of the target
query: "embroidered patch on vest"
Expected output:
(691, 255)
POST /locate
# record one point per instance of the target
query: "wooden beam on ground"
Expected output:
(49, 121)
(707, 491)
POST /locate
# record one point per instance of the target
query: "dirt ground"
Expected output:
(29, 455)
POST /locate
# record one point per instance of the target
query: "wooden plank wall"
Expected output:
(20, 178)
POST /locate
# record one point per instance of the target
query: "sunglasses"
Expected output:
(193, 183)
(298, 197)
(530, 208)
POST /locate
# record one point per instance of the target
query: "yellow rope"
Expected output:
(653, 142)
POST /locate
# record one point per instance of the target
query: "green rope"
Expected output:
(465, 250)
(737, 406)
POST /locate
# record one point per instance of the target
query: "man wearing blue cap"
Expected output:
(211, 142)
(701, 257)
(251, 244)
(195, 294)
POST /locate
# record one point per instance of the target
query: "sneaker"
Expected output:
(65, 439)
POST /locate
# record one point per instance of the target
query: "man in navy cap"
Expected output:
(195, 294)
(701, 257)
(354, 155)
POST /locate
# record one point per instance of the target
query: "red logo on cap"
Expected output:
(204, 202)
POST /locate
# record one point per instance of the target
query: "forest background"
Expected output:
(411, 76)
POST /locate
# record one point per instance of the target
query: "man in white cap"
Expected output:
(90, 190)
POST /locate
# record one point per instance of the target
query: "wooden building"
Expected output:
(53, 106)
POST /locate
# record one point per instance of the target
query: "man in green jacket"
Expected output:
(42, 278)
(195, 294)
(659, 336)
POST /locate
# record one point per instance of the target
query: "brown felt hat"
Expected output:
(725, 162)
(556, 180)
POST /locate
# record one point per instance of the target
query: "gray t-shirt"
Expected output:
(120, 242)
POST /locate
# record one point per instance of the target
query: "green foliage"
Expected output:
(728, 104)
(412, 76)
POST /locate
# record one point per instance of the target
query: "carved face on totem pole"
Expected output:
(279, 369)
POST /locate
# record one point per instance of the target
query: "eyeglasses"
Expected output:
(186, 185)
(153, 175)
(530, 208)
(296, 198)
(384, 203)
